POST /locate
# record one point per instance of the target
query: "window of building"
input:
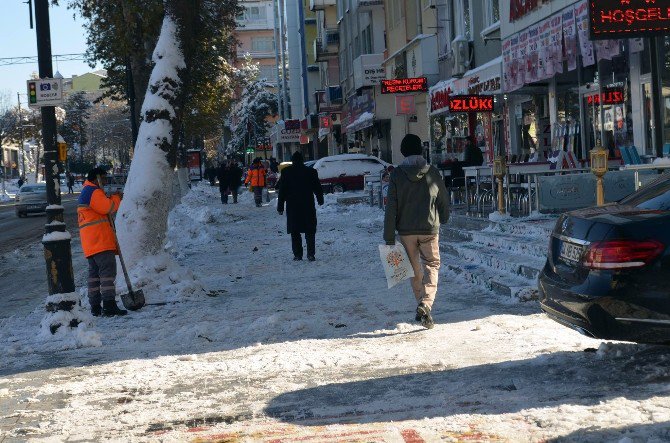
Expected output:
(255, 13)
(262, 44)
(268, 72)
(366, 41)
(397, 10)
(491, 13)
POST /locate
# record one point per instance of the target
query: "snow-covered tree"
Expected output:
(142, 219)
(256, 105)
(74, 128)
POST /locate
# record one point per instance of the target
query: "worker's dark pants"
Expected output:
(101, 276)
(296, 244)
(258, 195)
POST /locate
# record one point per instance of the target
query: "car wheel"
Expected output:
(339, 187)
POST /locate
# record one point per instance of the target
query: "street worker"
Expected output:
(99, 242)
(417, 204)
(256, 177)
(299, 185)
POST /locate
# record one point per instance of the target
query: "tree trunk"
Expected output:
(142, 218)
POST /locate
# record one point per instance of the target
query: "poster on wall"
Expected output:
(523, 58)
(532, 70)
(636, 45)
(557, 42)
(545, 49)
(582, 22)
(507, 65)
(570, 38)
(514, 70)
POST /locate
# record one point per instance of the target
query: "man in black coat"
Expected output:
(223, 174)
(234, 179)
(299, 185)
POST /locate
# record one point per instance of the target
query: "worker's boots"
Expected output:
(109, 309)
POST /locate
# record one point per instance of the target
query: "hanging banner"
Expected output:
(606, 49)
(582, 22)
(557, 42)
(507, 65)
(523, 57)
(517, 80)
(547, 66)
(570, 38)
(532, 72)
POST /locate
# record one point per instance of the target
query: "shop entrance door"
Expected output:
(648, 120)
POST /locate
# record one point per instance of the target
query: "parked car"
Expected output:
(345, 172)
(115, 183)
(31, 198)
(608, 268)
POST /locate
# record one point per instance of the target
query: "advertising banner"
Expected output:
(546, 66)
(523, 58)
(532, 71)
(570, 38)
(194, 162)
(507, 65)
(582, 22)
(557, 42)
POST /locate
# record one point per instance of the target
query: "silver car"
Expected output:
(31, 198)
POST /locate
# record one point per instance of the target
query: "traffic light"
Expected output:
(32, 93)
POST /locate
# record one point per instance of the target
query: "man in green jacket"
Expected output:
(417, 205)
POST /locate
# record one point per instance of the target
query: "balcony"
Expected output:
(321, 5)
(328, 47)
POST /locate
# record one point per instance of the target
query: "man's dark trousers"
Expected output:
(296, 244)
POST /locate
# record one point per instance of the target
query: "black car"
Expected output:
(607, 273)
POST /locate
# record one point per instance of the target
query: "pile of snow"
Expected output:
(67, 329)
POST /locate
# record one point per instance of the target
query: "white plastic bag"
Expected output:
(396, 264)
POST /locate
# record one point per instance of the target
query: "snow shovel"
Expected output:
(133, 300)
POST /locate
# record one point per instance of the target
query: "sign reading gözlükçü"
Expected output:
(471, 103)
(611, 19)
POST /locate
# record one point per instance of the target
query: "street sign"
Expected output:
(45, 92)
(471, 103)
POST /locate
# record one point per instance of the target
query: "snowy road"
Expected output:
(251, 346)
(18, 232)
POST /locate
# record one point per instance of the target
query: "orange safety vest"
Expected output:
(256, 176)
(94, 229)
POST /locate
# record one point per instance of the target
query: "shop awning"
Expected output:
(365, 120)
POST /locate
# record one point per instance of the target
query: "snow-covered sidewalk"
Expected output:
(244, 344)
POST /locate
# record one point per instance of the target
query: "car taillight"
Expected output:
(622, 254)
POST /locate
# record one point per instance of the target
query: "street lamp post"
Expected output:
(56, 241)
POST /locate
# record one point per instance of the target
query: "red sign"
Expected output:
(400, 85)
(440, 100)
(609, 96)
(471, 103)
(404, 105)
(324, 122)
(611, 19)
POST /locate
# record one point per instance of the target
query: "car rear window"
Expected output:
(33, 188)
(654, 196)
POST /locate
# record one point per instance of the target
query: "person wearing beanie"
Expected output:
(297, 188)
(417, 205)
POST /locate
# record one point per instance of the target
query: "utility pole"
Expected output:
(23, 147)
(56, 240)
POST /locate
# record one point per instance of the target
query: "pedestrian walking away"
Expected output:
(70, 183)
(99, 243)
(223, 175)
(417, 205)
(256, 177)
(299, 185)
(234, 179)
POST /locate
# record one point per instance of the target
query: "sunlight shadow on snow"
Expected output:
(546, 381)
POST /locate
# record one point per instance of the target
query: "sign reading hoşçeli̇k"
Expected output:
(45, 92)
(628, 18)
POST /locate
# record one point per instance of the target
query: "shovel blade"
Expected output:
(133, 300)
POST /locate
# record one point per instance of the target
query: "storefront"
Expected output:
(452, 128)
(565, 92)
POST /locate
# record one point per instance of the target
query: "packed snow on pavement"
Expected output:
(240, 343)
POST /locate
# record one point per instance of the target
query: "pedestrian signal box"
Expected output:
(62, 152)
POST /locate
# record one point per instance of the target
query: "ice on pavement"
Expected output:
(240, 340)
